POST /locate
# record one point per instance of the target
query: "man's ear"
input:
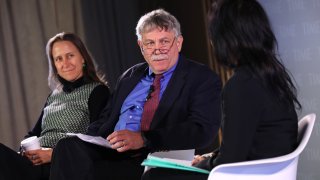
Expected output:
(139, 43)
(179, 42)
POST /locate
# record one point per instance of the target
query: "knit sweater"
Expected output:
(65, 112)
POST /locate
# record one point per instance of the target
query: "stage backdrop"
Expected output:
(297, 27)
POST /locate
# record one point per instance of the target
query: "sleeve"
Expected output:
(101, 117)
(97, 101)
(242, 106)
(36, 131)
(95, 127)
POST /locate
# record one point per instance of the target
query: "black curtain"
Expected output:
(110, 35)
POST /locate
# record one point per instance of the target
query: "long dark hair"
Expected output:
(242, 36)
(89, 71)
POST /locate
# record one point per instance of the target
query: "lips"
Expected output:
(69, 70)
(158, 59)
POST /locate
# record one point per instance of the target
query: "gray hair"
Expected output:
(157, 19)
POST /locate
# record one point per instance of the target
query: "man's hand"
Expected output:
(40, 156)
(125, 140)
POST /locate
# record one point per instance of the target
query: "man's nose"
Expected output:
(157, 51)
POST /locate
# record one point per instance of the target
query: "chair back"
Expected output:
(278, 168)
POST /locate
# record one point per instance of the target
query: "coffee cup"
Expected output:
(31, 143)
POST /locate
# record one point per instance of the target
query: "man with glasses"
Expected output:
(167, 103)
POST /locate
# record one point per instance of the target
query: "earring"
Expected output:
(84, 65)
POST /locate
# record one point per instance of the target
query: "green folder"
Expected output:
(153, 161)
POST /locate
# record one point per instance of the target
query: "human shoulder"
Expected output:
(101, 89)
(244, 84)
(199, 70)
(140, 67)
(100, 94)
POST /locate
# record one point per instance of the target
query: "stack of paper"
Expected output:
(153, 161)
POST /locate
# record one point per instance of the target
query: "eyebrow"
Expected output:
(71, 52)
(161, 39)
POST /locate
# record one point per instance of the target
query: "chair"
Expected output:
(278, 168)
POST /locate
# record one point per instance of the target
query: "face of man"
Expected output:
(67, 60)
(160, 49)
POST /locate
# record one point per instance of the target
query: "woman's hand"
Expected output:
(40, 156)
(197, 159)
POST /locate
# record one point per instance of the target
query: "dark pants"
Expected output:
(74, 159)
(172, 174)
(16, 167)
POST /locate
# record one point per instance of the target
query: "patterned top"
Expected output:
(65, 112)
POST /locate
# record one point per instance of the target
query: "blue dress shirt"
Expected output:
(132, 107)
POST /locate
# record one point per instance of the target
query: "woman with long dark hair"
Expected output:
(259, 101)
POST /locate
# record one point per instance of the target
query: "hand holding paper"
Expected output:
(98, 140)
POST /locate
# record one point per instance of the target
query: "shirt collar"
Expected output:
(69, 86)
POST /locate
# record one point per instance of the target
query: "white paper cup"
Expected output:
(31, 143)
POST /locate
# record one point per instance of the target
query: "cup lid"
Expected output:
(28, 141)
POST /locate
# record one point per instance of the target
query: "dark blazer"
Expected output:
(188, 115)
(255, 123)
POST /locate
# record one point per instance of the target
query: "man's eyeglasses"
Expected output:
(149, 47)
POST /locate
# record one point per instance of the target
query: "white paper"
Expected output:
(98, 140)
(178, 161)
(187, 154)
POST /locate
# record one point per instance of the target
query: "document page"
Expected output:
(171, 163)
(98, 140)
